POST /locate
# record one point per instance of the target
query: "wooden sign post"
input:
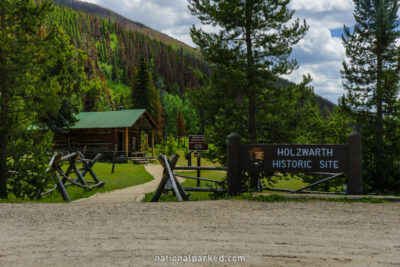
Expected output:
(198, 143)
(308, 158)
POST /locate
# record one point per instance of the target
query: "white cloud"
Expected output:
(321, 5)
(170, 17)
(318, 53)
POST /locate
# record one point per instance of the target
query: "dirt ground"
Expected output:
(268, 234)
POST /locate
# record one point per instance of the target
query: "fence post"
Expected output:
(198, 170)
(188, 157)
(233, 172)
(115, 154)
(354, 183)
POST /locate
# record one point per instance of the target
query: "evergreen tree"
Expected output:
(156, 110)
(145, 94)
(40, 77)
(140, 87)
(249, 52)
(371, 77)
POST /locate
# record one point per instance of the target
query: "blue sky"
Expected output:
(319, 54)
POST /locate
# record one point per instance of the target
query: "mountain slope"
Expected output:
(127, 23)
(114, 45)
(114, 51)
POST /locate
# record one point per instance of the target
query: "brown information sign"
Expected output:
(198, 143)
(294, 158)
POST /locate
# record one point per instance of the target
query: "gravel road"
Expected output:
(313, 233)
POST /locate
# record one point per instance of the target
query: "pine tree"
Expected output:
(249, 52)
(140, 87)
(156, 110)
(145, 94)
(40, 76)
(371, 79)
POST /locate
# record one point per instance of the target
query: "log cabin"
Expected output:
(102, 132)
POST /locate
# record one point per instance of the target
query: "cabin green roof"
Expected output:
(108, 119)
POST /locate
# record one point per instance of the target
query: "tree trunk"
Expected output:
(4, 129)
(251, 92)
(250, 75)
(252, 120)
(379, 123)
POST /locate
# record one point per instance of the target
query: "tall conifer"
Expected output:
(250, 50)
(371, 79)
(145, 94)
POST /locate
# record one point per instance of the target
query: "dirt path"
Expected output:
(129, 194)
(267, 234)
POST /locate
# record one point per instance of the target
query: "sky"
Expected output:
(320, 53)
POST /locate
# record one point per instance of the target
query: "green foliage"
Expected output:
(145, 141)
(114, 49)
(372, 83)
(280, 198)
(251, 49)
(40, 88)
(28, 163)
(106, 70)
(168, 146)
(171, 106)
(121, 94)
(145, 94)
(94, 96)
(249, 52)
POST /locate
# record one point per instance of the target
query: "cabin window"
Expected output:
(72, 142)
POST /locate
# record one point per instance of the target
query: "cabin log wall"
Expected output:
(98, 141)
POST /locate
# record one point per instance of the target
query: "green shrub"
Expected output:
(168, 147)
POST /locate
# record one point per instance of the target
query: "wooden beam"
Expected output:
(152, 143)
(140, 140)
(127, 141)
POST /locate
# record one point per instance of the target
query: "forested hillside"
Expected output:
(128, 24)
(115, 48)
(115, 45)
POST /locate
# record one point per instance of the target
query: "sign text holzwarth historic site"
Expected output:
(304, 163)
(290, 158)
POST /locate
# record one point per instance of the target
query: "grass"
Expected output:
(125, 175)
(291, 183)
(284, 182)
(215, 175)
(182, 160)
(282, 198)
(287, 183)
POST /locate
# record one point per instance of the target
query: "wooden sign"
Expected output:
(198, 143)
(294, 158)
(310, 158)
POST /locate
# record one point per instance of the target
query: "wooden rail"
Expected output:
(55, 164)
(198, 178)
(317, 183)
(200, 168)
(169, 178)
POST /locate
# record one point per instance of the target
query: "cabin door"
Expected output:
(121, 141)
(133, 143)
